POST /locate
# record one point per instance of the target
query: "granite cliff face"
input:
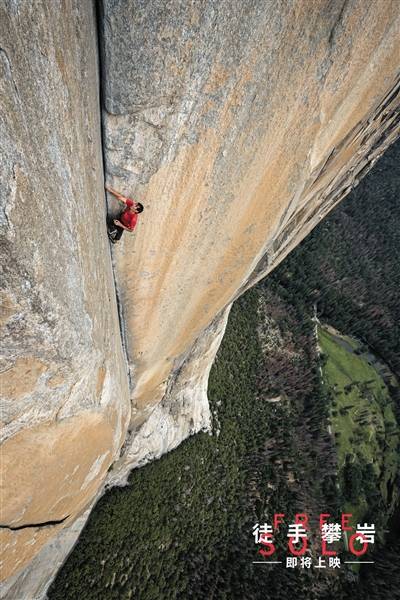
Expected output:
(63, 376)
(239, 125)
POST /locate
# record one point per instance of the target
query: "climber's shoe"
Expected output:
(111, 237)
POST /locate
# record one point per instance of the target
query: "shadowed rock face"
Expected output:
(239, 125)
(64, 407)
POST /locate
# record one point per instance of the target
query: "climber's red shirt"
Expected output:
(129, 219)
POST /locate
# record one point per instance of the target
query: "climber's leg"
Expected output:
(119, 233)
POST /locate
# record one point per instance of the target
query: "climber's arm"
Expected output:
(119, 196)
(116, 222)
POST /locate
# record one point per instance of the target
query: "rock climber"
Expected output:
(127, 218)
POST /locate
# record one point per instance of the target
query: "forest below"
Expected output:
(306, 410)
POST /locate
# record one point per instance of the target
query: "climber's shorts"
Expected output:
(114, 232)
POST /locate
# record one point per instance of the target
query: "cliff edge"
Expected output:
(238, 125)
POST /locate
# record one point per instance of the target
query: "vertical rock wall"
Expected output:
(63, 380)
(238, 125)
